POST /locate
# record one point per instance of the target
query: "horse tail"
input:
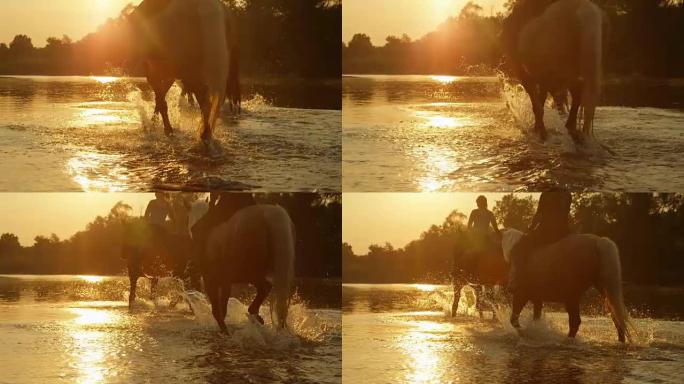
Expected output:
(214, 54)
(282, 251)
(591, 46)
(233, 91)
(611, 282)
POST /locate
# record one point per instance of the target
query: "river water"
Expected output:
(101, 134)
(444, 133)
(403, 333)
(78, 329)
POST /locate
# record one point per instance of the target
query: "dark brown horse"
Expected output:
(478, 260)
(192, 41)
(151, 252)
(554, 46)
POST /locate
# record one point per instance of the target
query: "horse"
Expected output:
(554, 46)
(255, 246)
(477, 261)
(563, 271)
(192, 41)
(151, 253)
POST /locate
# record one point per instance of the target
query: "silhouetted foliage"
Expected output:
(643, 38)
(97, 248)
(279, 37)
(648, 228)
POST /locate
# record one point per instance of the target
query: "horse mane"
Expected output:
(509, 237)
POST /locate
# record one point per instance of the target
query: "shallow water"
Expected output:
(441, 133)
(101, 134)
(402, 333)
(71, 329)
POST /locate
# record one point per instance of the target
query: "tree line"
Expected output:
(97, 249)
(277, 37)
(642, 38)
(648, 229)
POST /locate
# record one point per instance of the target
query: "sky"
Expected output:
(398, 218)
(381, 18)
(40, 19)
(28, 215)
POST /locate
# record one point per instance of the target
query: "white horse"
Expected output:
(563, 271)
(255, 246)
(557, 50)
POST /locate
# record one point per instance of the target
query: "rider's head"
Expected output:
(481, 202)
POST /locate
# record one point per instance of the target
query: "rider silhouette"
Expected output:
(481, 219)
(222, 206)
(551, 223)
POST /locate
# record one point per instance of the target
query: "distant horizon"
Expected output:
(399, 218)
(28, 215)
(40, 19)
(414, 18)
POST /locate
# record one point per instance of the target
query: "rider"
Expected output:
(480, 221)
(222, 206)
(551, 223)
(155, 215)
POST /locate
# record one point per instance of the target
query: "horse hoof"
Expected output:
(255, 318)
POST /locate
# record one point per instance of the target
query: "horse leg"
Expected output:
(213, 292)
(537, 310)
(205, 107)
(263, 289)
(518, 304)
(537, 100)
(457, 297)
(223, 304)
(160, 86)
(573, 316)
(571, 123)
(131, 293)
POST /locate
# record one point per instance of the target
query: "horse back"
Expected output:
(240, 247)
(565, 268)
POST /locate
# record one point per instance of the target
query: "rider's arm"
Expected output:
(471, 219)
(495, 225)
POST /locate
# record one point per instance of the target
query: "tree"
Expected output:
(515, 212)
(21, 45)
(9, 244)
(360, 44)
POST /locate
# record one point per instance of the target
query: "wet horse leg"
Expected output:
(263, 289)
(159, 78)
(537, 99)
(223, 303)
(457, 297)
(537, 310)
(518, 304)
(571, 123)
(213, 291)
(572, 306)
(131, 293)
(205, 107)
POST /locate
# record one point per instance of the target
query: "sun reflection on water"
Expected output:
(98, 172)
(104, 79)
(444, 79)
(91, 278)
(419, 343)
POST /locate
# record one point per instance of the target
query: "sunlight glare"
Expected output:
(424, 287)
(91, 278)
(444, 79)
(104, 79)
(89, 316)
